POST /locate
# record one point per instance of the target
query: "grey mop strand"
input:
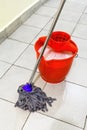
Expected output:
(32, 98)
(33, 101)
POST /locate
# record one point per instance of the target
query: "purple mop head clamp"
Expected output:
(27, 87)
(33, 98)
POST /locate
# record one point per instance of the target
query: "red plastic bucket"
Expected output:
(55, 71)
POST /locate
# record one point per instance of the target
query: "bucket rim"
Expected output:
(37, 47)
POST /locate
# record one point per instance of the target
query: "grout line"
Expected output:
(47, 23)
(75, 26)
(50, 6)
(21, 54)
(82, 23)
(44, 85)
(15, 66)
(7, 100)
(25, 121)
(43, 15)
(27, 43)
(27, 25)
(10, 38)
(84, 9)
(31, 40)
(76, 84)
(77, 56)
(77, 22)
(31, 26)
(6, 71)
(24, 68)
(36, 36)
(82, 57)
(14, 62)
(47, 116)
(78, 37)
(5, 62)
(60, 120)
(39, 27)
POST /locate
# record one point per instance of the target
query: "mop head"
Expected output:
(33, 98)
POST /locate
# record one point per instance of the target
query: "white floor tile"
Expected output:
(40, 122)
(71, 104)
(82, 46)
(83, 19)
(25, 33)
(70, 16)
(78, 72)
(37, 21)
(11, 118)
(41, 34)
(62, 25)
(3, 68)
(76, 6)
(13, 79)
(65, 26)
(52, 3)
(28, 58)
(46, 11)
(10, 50)
(79, 1)
(85, 10)
(80, 31)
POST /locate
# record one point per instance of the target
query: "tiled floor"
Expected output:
(17, 60)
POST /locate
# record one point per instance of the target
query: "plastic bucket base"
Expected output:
(53, 81)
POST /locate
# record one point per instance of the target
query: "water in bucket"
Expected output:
(50, 54)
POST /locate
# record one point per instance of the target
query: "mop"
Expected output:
(32, 98)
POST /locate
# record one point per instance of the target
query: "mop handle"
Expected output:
(47, 39)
